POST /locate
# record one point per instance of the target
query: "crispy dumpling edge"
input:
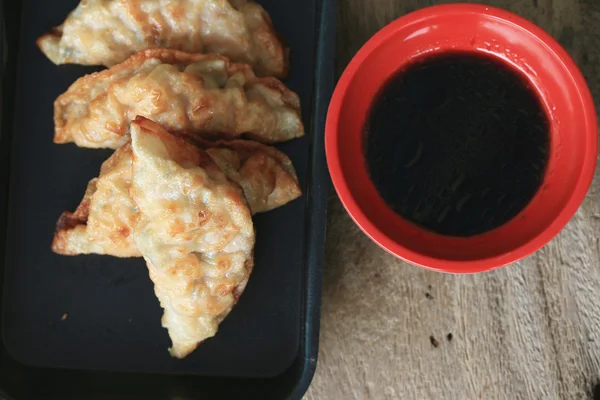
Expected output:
(72, 94)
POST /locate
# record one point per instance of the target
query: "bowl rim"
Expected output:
(575, 199)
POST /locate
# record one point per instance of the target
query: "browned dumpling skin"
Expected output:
(266, 175)
(194, 230)
(103, 222)
(107, 32)
(201, 95)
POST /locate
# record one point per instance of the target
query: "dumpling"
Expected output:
(266, 175)
(107, 32)
(196, 94)
(103, 222)
(194, 230)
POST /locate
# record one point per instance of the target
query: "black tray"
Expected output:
(111, 345)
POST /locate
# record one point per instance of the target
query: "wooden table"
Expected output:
(528, 331)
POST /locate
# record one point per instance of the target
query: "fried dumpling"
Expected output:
(194, 230)
(266, 175)
(103, 222)
(199, 95)
(107, 32)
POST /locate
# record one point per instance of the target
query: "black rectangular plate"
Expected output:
(113, 318)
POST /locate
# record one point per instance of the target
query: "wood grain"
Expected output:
(527, 331)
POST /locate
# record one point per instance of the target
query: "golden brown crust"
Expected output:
(49, 44)
(264, 36)
(103, 222)
(266, 176)
(69, 238)
(107, 32)
(202, 94)
(65, 233)
(195, 232)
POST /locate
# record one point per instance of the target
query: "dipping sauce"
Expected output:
(457, 143)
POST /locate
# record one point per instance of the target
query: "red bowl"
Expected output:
(522, 46)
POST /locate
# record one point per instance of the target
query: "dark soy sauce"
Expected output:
(457, 143)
